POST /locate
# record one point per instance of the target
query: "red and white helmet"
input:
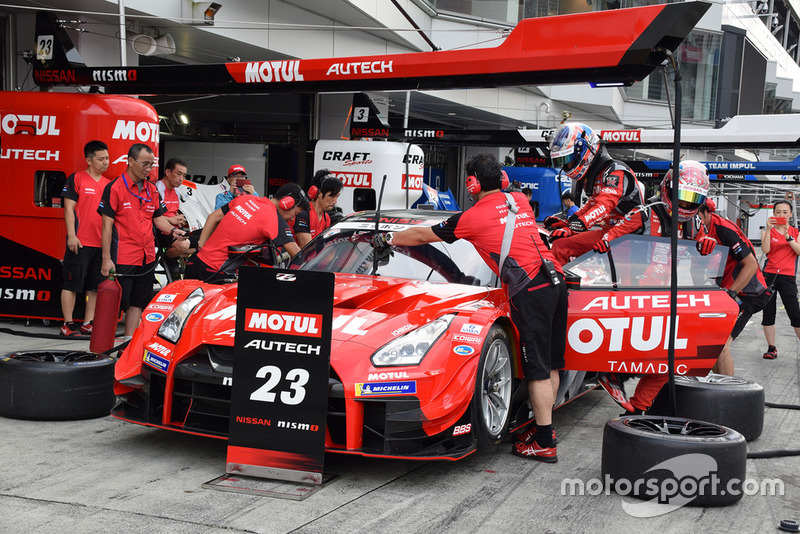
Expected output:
(573, 148)
(692, 189)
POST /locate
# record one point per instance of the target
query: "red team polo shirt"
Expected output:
(739, 247)
(83, 189)
(781, 258)
(170, 199)
(248, 220)
(308, 223)
(483, 225)
(133, 212)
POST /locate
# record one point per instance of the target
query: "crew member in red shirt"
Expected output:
(611, 186)
(779, 243)
(246, 220)
(742, 278)
(130, 207)
(174, 173)
(82, 258)
(324, 192)
(539, 300)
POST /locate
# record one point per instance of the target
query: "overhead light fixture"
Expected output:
(182, 118)
(210, 12)
(609, 84)
(205, 10)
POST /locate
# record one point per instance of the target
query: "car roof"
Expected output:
(410, 216)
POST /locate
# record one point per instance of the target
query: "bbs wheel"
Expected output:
(56, 385)
(672, 461)
(491, 402)
(724, 400)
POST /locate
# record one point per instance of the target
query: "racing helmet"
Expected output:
(573, 148)
(692, 189)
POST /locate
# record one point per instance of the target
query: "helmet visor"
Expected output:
(565, 162)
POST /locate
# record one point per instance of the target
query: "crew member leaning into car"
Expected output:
(657, 221)
(246, 220)
(539, 304)
(324, 192)
(611, 186)
(742, 278)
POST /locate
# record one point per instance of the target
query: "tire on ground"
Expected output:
(724, 400)
(56, 385)
(679, 461)
(494, 384)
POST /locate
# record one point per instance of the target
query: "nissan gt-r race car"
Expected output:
(424, 359)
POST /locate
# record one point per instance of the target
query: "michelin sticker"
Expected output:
(374, 389)
(156, 361)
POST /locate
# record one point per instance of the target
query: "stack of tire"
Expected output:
(56, 385)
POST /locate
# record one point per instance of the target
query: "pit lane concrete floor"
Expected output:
(104, 475)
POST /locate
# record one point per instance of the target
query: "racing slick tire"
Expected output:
(56, 385)
(724, 400)
(673, 461)
(494, 382)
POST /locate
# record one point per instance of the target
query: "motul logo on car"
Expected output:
(355, 179)
(391, 375)
(273, 71)
(621, 136)
(415, 183)
(274, 322)
(114, 75)
(623, 334)
(29, 124)
(132, 131)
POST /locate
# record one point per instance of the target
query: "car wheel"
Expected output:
(491, 402)
(673, 461)
(56, 385)
(725, 400)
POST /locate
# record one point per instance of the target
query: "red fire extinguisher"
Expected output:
(106, 314)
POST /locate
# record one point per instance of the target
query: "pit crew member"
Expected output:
(538, 295)
(779, 243)
(130, 207)
(657, 221)
(174, 173)
(324, 192)
(246, 220)
(82, 257)
(742, 278)
(611, 186)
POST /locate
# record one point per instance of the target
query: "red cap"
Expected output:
(236, 168)
(711, 205)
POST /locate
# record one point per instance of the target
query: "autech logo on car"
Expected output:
(154, 317)
(646, 302)
(166, 297)
(463, 350)
(374, 389)
(275, 322)
(467, 339)
(621, 136)
(469, 328)
(273, 71)
(156, 361)
(359, 67)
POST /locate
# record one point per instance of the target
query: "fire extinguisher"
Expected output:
(106, 314)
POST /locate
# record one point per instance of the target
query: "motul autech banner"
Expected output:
(279, 397)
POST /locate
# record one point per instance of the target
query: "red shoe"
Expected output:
(70, 330)
(86, 328)
(771, 354)
(534, 451)
(528, 436)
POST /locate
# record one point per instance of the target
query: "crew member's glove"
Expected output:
(575, 224)
(734, 295)
(554, 222)
(706, 244)
(382, 243)
(601, 247)
(561, 232)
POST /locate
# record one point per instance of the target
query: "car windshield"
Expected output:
(345, 248)
(637, 261)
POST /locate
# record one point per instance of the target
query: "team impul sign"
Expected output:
(280, 375)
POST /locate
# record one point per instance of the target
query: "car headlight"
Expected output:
(172, 327)
(410, 348)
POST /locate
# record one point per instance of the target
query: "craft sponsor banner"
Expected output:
(279, 397)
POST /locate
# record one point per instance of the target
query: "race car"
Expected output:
(432, 316)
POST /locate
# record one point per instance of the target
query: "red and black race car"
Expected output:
(424, 357)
